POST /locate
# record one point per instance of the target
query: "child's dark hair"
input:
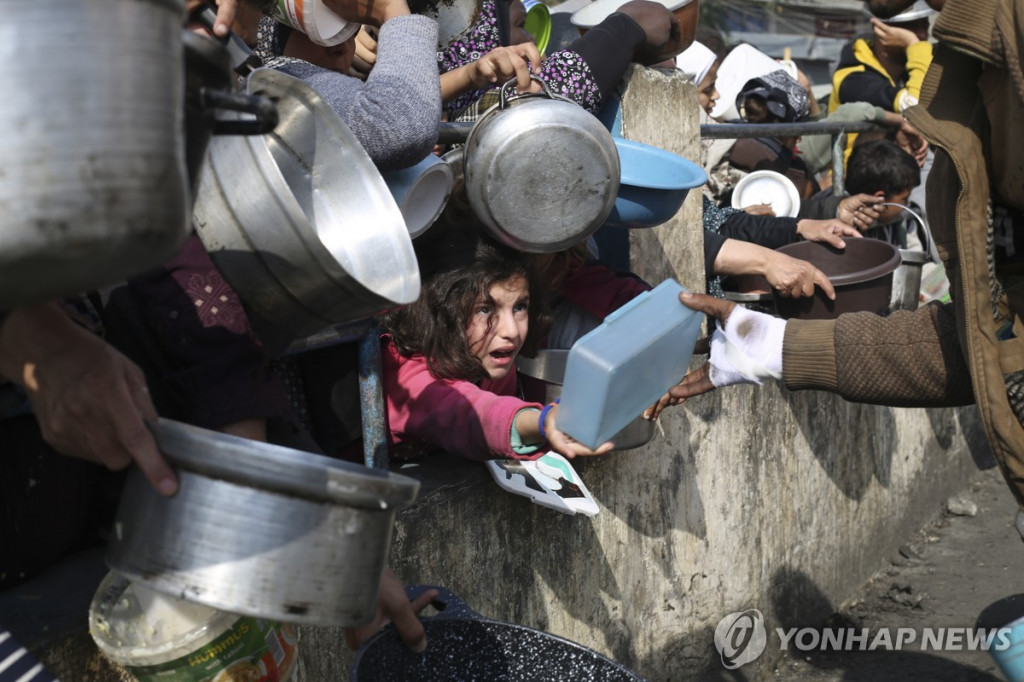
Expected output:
(881, 165)
(458, 264)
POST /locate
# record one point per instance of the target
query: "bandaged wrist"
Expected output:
(748, 349)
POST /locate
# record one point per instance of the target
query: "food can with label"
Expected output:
(162, 637)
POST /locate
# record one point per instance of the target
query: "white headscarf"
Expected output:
(695, 61)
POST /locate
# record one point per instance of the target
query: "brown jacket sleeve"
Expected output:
(904, 360)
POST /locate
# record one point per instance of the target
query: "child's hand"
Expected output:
(394, 607)
(504, 63)
(888, 35)
(860, 210)
(563, 444)
(366, 52)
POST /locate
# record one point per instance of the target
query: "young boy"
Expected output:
(878, 172)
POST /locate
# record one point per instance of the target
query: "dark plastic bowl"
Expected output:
(861, 274)
(652, 186)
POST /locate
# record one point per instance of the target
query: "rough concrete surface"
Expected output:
(957, 572)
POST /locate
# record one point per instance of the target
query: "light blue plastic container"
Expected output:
(621, 368)
(1011, 659)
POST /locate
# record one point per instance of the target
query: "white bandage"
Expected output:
(748, 350)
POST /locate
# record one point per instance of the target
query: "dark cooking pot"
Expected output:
(463, 645)
(861, 274)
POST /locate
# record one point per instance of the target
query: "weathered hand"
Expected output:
(91, 401)
(828, 231)
(661, 28)
(696, 380)
(795, 278)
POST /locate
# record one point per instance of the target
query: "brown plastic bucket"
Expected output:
(861, 274)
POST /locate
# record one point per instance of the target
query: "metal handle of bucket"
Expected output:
(933, 252)
(448, 605)
(504, 98)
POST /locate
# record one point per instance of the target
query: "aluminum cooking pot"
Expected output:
(541, 173)
(258, 529)
(463, 646)
(94, 187)
(300, 222)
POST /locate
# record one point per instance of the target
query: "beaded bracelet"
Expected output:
(543, 416)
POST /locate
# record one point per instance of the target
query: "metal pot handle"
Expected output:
(448, 605)
(260, 106)
(504, 98)
(933, 251)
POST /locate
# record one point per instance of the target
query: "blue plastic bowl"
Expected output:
(652, 186)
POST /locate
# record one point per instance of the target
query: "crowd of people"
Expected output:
(164, 342)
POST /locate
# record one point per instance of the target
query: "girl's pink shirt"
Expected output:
(461, 417)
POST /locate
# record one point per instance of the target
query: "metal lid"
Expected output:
(594, 13)
(280, 469)
(919, 10)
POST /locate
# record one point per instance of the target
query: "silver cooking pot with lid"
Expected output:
(541, 173)
(259, 529)
(94, 186)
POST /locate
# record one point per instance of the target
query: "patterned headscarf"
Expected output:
(482, 37)
(783, 95)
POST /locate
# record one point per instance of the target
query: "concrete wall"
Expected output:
(751, 497)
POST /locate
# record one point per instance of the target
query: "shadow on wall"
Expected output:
(944, 420)
(866, 435)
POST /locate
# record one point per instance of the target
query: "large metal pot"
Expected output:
(260, 530)
(541, 173)
(464, 646)
(300, 222)
(549, 367)
(94, 186)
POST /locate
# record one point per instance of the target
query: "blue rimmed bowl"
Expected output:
(652, 185)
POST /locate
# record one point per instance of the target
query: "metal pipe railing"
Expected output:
(456, 133)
